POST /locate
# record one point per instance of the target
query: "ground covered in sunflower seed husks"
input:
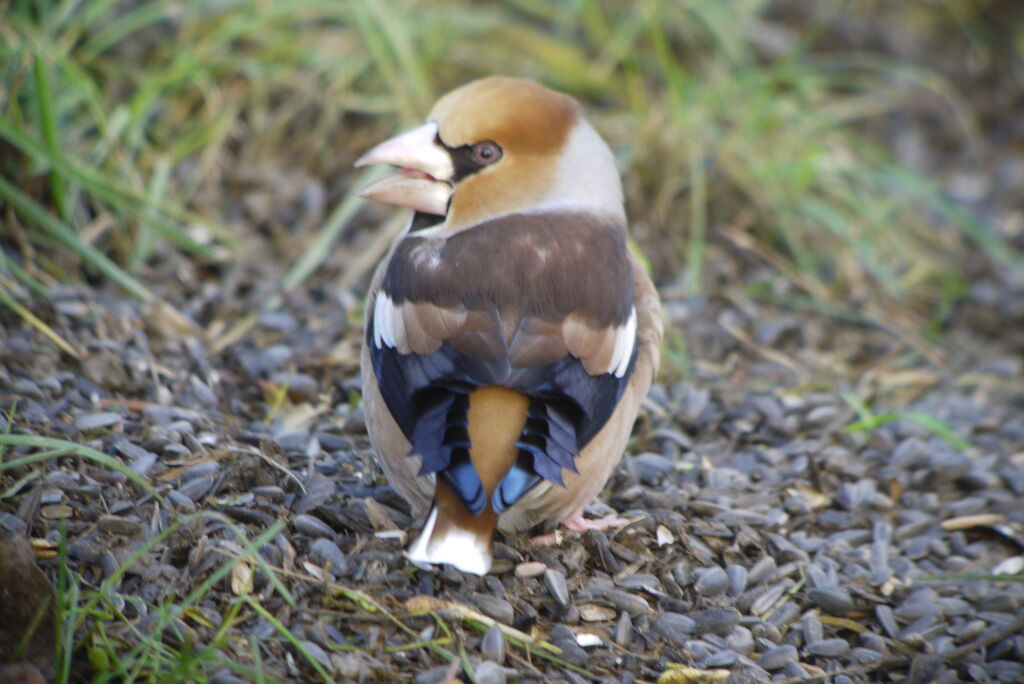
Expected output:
(224, 504)
(766, 539)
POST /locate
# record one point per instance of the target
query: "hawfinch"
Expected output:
(510, 334)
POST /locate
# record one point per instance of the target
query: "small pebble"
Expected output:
(207, 469)
(112, 524)
(776, 658)
(299, 384)
(712, 582)
(831, 648)
(720, 659)
(87, 422)
(326, 553)
(565, 639)
(737, 579)
(764, 603)
(740, 640)
(312, 527)
(435, 675)
(499, 609)
(631, 603)
(530, 569)
(715, 620)
(489, 672)
(811, 628)
(316, 652)
(492, 646)
(197, 487)
(179, 500)
(594, 612)
(624, 630)
(784, 614)
(762, 570)
(867, 656)
(887, 619)
(673, 628)
(832, 600)
(554, 580)
(793, 670)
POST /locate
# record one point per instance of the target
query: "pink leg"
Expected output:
(577, 523)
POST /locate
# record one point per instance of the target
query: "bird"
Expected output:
(510, 334)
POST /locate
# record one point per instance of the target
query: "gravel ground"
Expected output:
(767, 543)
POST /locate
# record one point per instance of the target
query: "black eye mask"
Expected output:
(468, 159)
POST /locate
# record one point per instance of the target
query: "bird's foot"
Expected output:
(577, 523)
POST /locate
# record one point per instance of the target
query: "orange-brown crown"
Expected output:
(528, 121)
(520, 115)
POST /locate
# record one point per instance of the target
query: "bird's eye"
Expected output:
(485, 153)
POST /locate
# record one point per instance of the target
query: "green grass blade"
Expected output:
(57, 447)
(291, 638)
(68, 593)
(35, 213)
(14, 305)
(119, 195)
(990, 242)
(51, 136)
(115, 30)
(22, 276)
(332, 229)
(145, 241)
(402, 40)
(698, 223)
(925, 420)
(858, 405)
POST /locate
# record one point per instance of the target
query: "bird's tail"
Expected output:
(452, 534)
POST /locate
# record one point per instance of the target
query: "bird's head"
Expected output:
(498, 146)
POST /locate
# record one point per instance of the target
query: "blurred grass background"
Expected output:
(126, 128)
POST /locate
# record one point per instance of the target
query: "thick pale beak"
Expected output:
(425, 170)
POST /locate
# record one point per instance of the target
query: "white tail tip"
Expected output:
(455, 546)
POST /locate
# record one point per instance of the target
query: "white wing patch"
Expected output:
(388, 327)
(389, 330)
(625, 340)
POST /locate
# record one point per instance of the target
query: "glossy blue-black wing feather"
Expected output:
(427, 395)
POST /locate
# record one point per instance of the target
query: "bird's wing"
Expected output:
(539, 303)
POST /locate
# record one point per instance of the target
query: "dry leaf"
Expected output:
(288, 554)
(299, 417)
(845, 623)
(313, 569)
(378, 515)
(812, 496)
(241, 579)
(44, 549)
(965, 522)
(593, 612)
(196, 616)
(319, 490)
(530, 569)
(684, 674)
(425, 604)
(402, 538)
